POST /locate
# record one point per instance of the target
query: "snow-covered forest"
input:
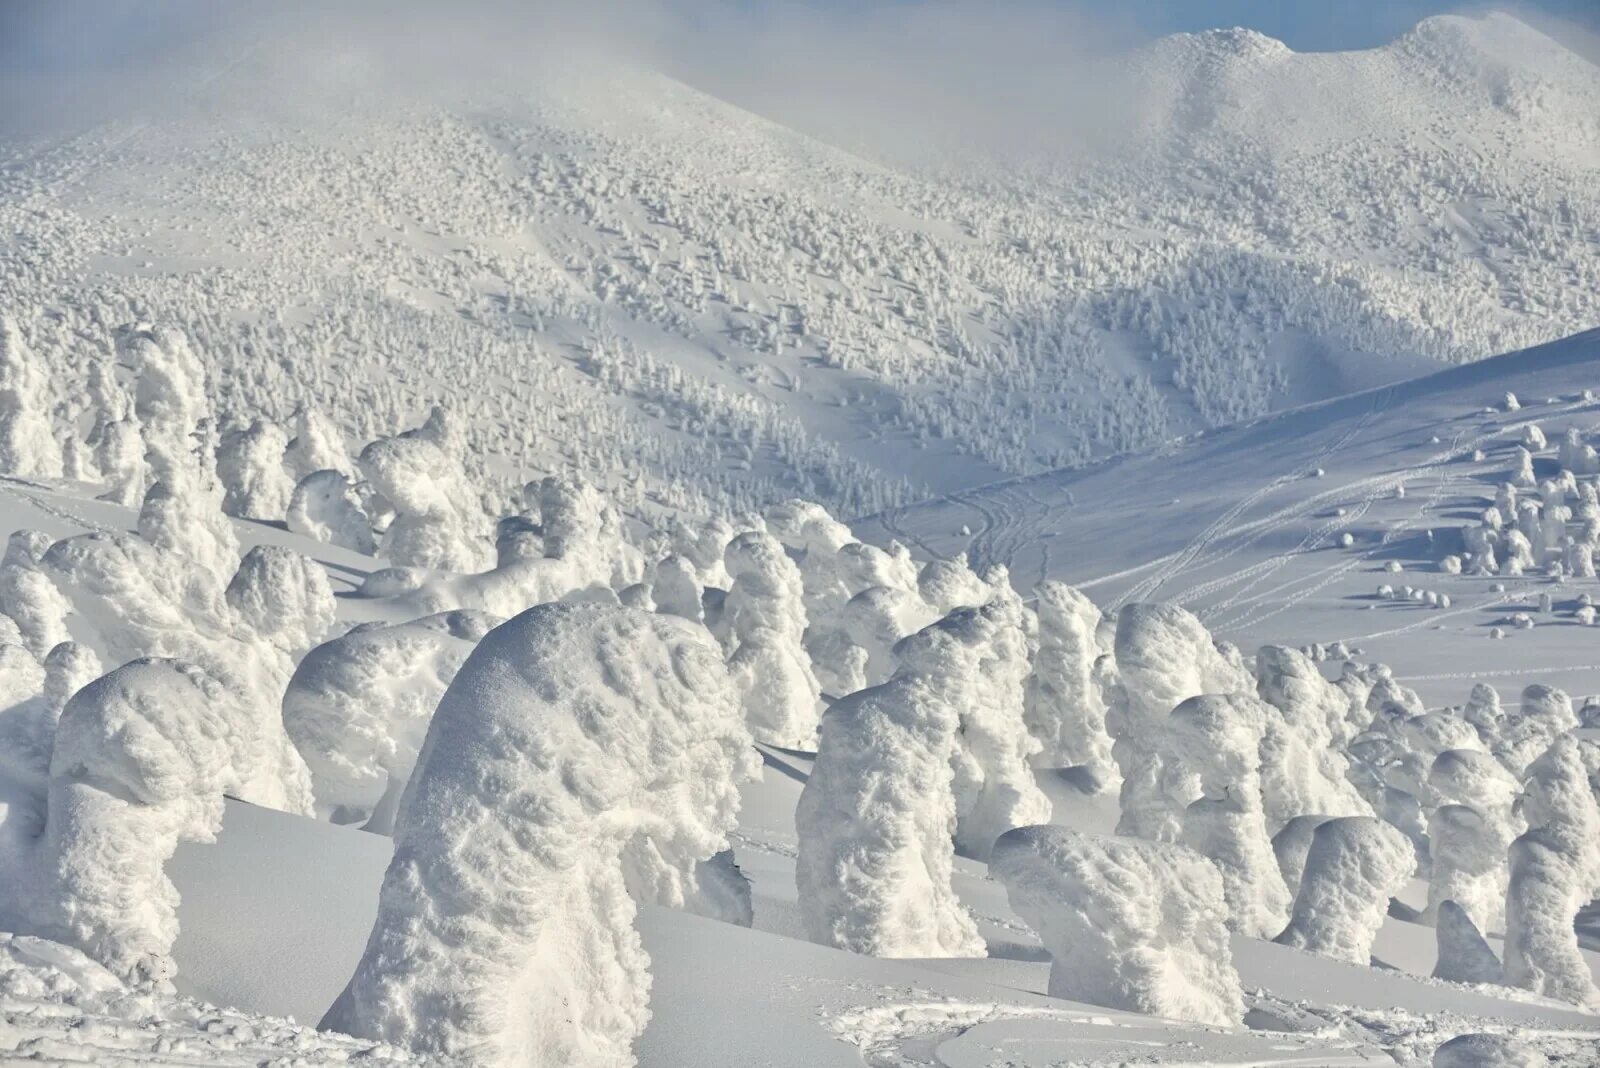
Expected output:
(590, 576)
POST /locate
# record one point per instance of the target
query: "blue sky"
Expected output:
(1322, 25)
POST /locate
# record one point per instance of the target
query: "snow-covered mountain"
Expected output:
(604, 268)
(413, 650)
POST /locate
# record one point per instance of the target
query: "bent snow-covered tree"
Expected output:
(1355, 865)
(141, 759)
(1129, 924)
(357, 709)
(505, 926)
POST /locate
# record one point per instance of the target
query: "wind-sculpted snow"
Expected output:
(1129, 924)
(505, 926)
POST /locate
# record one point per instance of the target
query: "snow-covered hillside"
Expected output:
(430, 632)
(605, 269)
(1289, 528)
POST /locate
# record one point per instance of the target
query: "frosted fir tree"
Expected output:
(1304, 770)
(182, 507)
(947, 585)
(981, 674)
(29, 597)
(141, 759)
(1064, 708)
(765, 618)
(1129, 924)
(130, 599)
(1214, 741)
(28, 445)
(1468, 834)
(1164, 656)
(1355, 865)
(317, 445)
(877, 818)
(324, 506)
(505, 924)
(250, 463)
(1555, 871)
(675, 588)
(1543, 715)
(438, 523)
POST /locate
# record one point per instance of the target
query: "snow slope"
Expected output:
(605, 268)
(1245, 525)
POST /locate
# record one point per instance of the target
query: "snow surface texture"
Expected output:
(1129, 924)
(572, 740)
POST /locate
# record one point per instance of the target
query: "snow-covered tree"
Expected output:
(1356, 864)
(949, 584)
(1215, 745)
(765, 618)
(505, 924)
(28, 596)
(1164, 656)
(1468, 834)
(130, 599)
(140, 761)
(358, 707)
(1544, 715)
(675, 587)
(1064, 708)
(28, 445)
(1129, 924)
(1304, 770)
(1555, 871)
(324, 506)
(250, 463)
(438, 521)
(182, 507)
(978, 662)
(876, 821)
(317, 445)
(284, 598)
